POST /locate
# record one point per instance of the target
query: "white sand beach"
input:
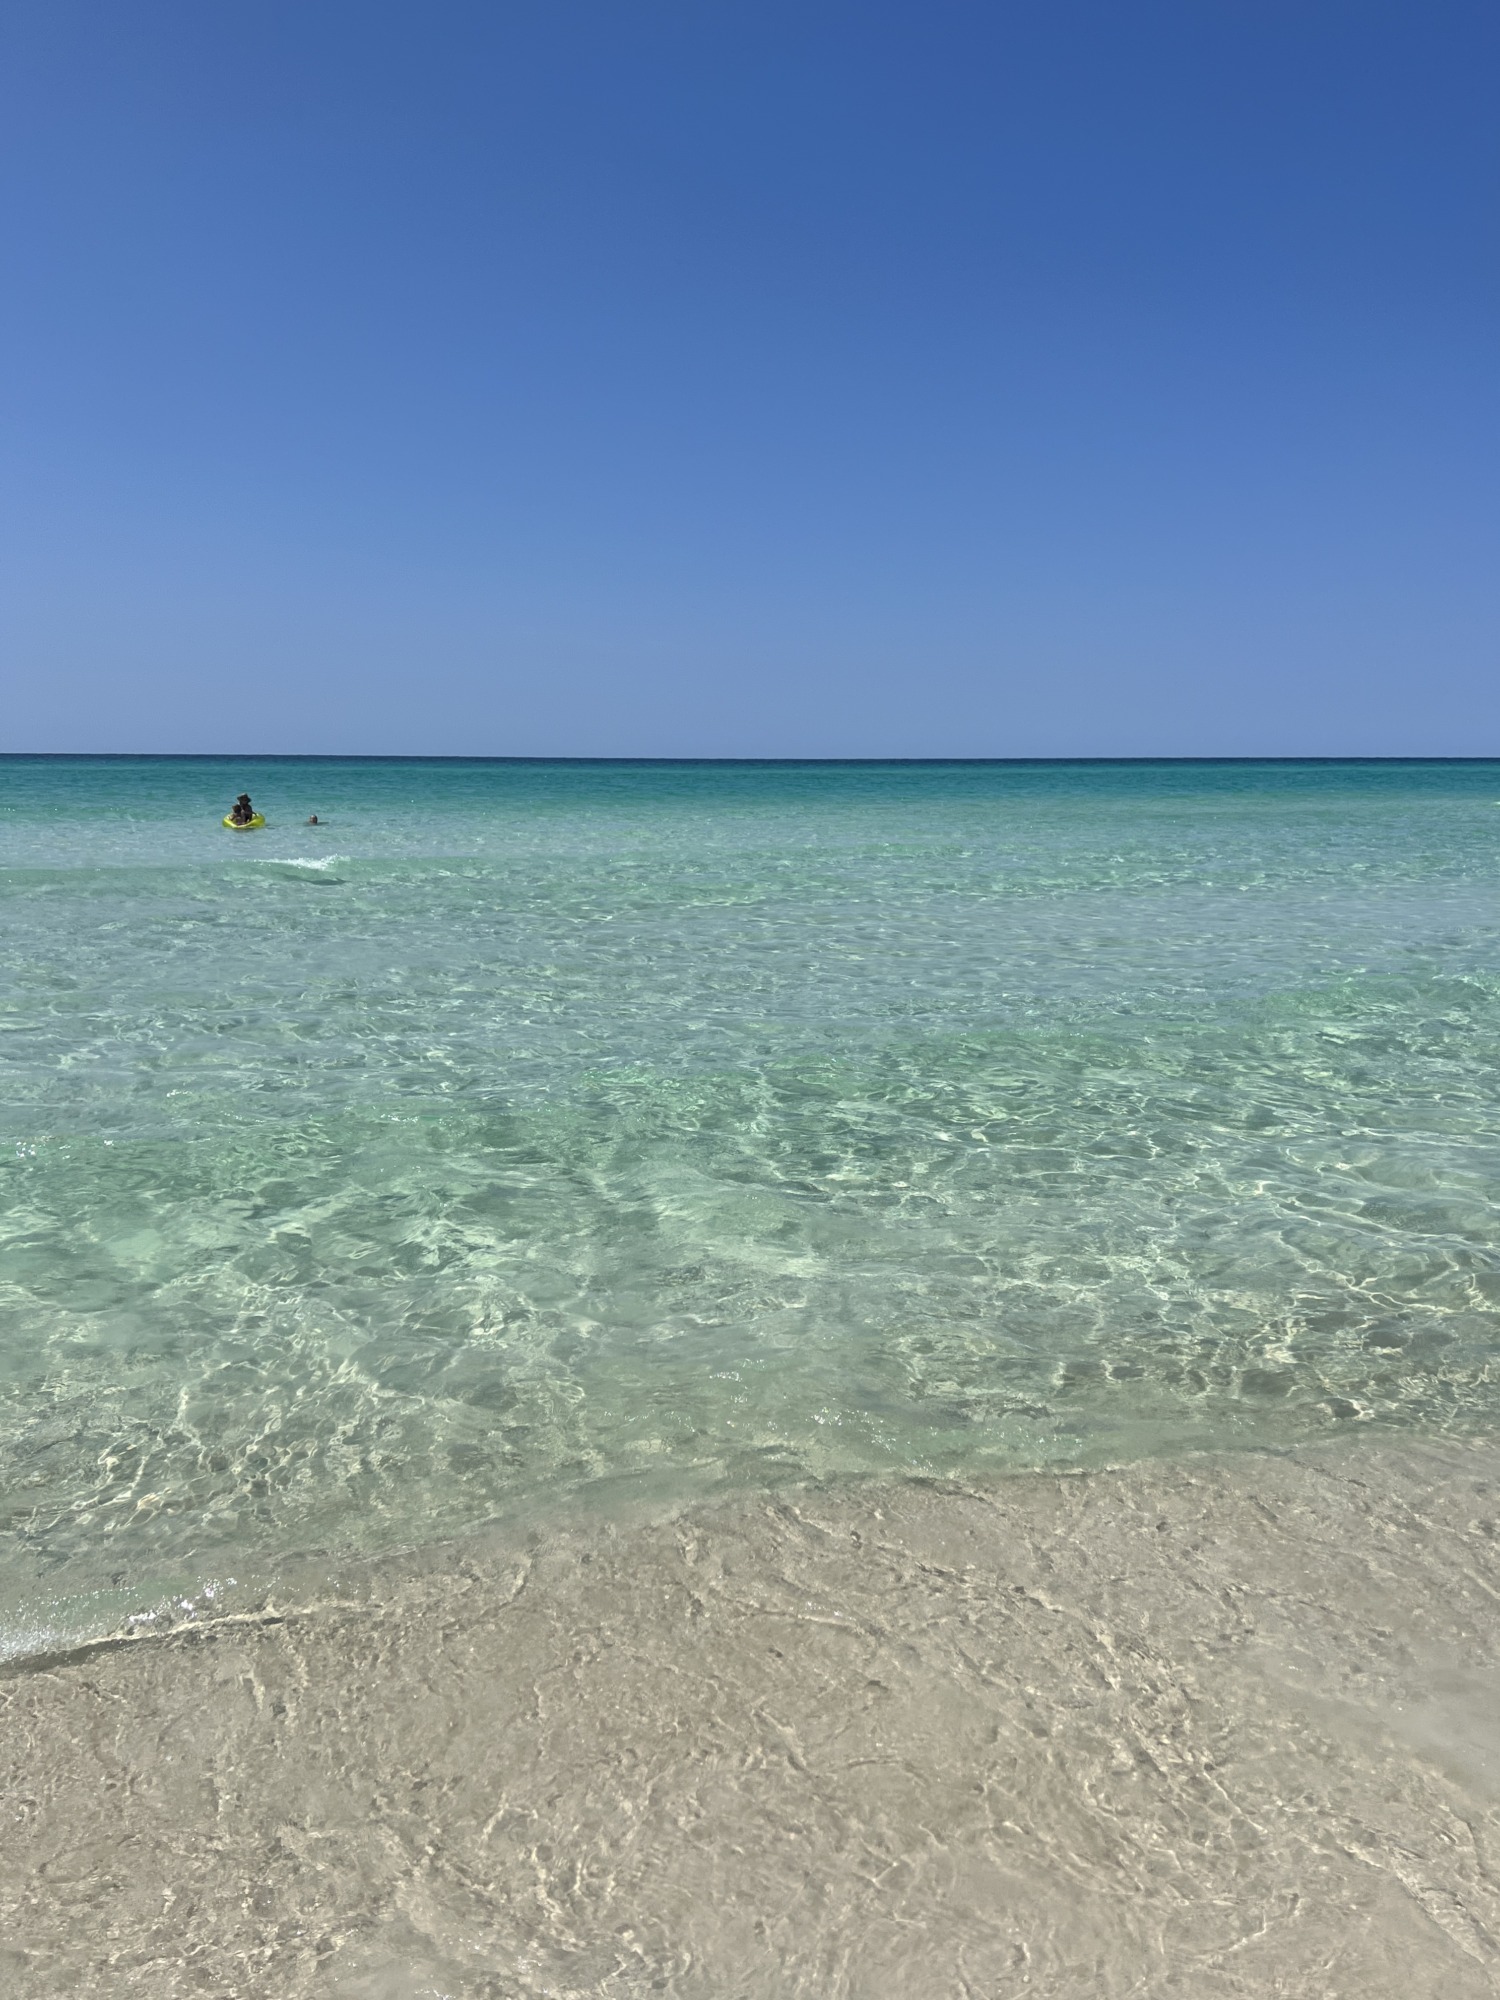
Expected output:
(1229, 1726)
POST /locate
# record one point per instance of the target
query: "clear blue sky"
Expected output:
(664, 377)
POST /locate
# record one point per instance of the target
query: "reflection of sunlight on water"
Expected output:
(933, 1133)
(324, 864)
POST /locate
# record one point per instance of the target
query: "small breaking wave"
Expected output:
(322, 868)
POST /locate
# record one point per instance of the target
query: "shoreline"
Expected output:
(1226, 1724)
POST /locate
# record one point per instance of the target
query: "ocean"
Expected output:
(750, 1379)
(539, 1134)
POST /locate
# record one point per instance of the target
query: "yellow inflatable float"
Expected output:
(243, 825)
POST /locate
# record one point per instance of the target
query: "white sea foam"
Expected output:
(319, 864)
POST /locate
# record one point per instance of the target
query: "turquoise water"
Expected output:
(542, 1132)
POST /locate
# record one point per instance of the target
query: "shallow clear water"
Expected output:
(536, 1131)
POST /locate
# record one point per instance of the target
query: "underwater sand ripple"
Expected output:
(1225, 1726)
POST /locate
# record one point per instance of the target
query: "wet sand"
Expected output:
(1217, 1727)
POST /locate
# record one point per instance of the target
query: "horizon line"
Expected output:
(459, 757)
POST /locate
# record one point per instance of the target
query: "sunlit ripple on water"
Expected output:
(533, 1129)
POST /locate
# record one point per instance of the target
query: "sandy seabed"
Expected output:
(1220, 1726)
